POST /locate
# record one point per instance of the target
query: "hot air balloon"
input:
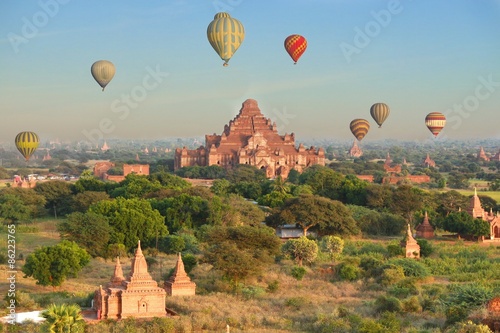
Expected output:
(379, 112)
(225, 34)
(27, 143)
(103, 71)
(359, 127)
(295, 45)
(435, 122)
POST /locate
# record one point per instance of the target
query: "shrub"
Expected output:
(412, 304)
(371, 264)
(411, 267)
(273, 286)
(388, 303)
(391, 274)
(404, 288)
(190, 262)
(298, 272)
(295, 302)
(349, 272)
(251, 292)
(395, 250)
(426, 248)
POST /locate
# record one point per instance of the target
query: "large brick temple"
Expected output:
(250, 138)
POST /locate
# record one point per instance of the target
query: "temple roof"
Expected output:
(117, 277)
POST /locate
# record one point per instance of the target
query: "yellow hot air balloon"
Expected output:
(359, 128)
(379, 112)
(225, 34)
(27, 143)
(103, 71)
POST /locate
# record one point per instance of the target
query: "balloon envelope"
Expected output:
(27, 143)
(379, 112)
(103, 71)
(435, 122)
(359, 128)
(295, 45)
(225, 34)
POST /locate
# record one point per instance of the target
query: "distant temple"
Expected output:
(179, 283)
(481, 155)
(101, 170)
(428, 162)
(47, 157)
(251, 139)
(105, 147)
(425, 229)
(137, 296)
(496, 157)
(476, 211)
(389, 168)
(355, 151)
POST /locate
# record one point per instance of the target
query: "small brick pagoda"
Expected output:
(425, 229)
(355, 151)
(250, 138)
(137, 296)
(179, 283)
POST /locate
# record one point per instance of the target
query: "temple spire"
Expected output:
(117, 277)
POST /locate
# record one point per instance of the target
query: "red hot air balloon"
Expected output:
(435, 122)
(295, 45)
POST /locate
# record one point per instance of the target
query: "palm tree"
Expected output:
(279, 185)
(64, 318)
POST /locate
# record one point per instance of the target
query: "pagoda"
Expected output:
(425, 229)
(355, 151)
(136, 296)
(179, 283)
(412, 249)
(481, 155)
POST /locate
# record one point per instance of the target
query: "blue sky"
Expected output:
(416, 56)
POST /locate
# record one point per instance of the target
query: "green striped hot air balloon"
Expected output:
(103, 71)
(359, 128)
(225, 34)
(379, 112)
(27, 143)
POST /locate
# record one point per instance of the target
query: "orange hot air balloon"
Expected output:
(435, 122)
(295, 45)
(359, 128)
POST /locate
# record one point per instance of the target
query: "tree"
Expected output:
(324, 181)
(240, 252)
(182, 211)
(332, 245)
(82, 201)
(451, 201)
(88, 182)
(57, 194)
(34, 201)
(12, 209)
(220, 187)
(353, 190)
(64, 318)
(406, 199)
(51, 265)
(135, 186)
(464, 224)
(168, 180)
(131, 220)
(325, 216)
(301, 249)
(89, 230)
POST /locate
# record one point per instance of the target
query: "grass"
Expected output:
(308, 305)
(495, 195)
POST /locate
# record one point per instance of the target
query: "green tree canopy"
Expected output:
(57, 194)
(13, 209)
(301, 249)
(323, 215)
(89, 230)
(240, 252)
(131, 220)
(51, 265)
